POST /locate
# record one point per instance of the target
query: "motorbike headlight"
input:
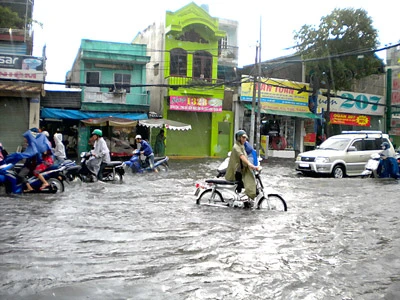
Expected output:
(322, 160)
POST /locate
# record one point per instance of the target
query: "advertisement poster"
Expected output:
(347, 119)
(197, 104)
(278, 94)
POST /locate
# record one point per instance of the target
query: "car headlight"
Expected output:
(298, 158)
(322, 160)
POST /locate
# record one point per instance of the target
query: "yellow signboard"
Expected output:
(278, 94)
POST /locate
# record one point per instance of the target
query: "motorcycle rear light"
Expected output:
(198, 185)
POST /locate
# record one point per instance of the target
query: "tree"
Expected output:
(341, 48)
(10, 19)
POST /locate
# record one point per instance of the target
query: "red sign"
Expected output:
(347, 119)
(198, 104)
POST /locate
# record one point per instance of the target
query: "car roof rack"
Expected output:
(362, 131)
(366, 132)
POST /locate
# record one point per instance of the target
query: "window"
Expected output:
(202, 65)
(178, 63)
(93, 78)
(122, 81)
(156, 69)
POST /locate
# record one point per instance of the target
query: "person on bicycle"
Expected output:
(239, 166)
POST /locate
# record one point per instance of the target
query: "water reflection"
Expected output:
(146, 239)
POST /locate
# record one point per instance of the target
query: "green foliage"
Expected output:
(343, 45)
(10, 19)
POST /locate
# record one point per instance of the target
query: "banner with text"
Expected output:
(278, 94)
(354, 103)
(197, 104)
(347, 119)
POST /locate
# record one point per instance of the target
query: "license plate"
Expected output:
(304, 165)
(197, 192)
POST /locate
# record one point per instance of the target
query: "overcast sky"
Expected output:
(65, 23)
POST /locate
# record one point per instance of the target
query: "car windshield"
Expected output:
(335, 144)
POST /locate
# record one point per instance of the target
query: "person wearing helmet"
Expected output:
(146, 150)
(388, 166)
(100, 153)
(239, 166)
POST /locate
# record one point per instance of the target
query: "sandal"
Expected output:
(28, 191)
(44, 186)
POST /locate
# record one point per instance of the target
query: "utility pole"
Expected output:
(253, 104)
(258, 136)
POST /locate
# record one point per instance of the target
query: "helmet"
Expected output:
(385, 145)
(97, 132)
(239, 134)
(138, 137)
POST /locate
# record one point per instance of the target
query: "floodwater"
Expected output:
(147, 239)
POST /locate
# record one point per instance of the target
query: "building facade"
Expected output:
(189, 68)
(21, 77)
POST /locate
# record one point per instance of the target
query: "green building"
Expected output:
(187, 86)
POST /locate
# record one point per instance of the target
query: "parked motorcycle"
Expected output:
(53, 175)
(112, 171)
(139, 165)
(377, 168)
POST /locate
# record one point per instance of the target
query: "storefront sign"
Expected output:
(354, 103)
(278, 94)
(21, 62)
(309, 139)
(346, 119)
(198, 104)
(22, 74)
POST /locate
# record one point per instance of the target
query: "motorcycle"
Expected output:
(224, 193)
(139, 165)
(71, 171)
(112, 171)
(53, 175)
(376, 168)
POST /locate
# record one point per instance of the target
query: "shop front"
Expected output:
(284, 110)
(354, 111)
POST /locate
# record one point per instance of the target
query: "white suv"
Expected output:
(342, 155)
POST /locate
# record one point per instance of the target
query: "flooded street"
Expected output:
(147, 239)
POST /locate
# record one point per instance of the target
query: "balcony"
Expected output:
(228, 55)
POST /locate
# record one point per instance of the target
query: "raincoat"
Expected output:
(59, 150)
(101, 154)
(237, 167)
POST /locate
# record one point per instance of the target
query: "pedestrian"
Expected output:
(59, 149)
(159, 146)
(240, 168)
(146, 150)
(3, 154)
(99, 154)
(47, 162)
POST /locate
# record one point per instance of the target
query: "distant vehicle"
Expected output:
(342, 155)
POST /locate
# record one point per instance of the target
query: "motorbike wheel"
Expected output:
(56, 185)
(118, 178)
(162, 168)
(207, 197)
(272, 202)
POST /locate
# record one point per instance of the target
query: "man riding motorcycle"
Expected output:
(388, 166)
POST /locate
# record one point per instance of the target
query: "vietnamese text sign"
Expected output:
(198, 104)
(278, 94)
(354, 103)
(346, 119)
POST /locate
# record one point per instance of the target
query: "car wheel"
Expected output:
(338, 172)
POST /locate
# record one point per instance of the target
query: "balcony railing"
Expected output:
(229, 53)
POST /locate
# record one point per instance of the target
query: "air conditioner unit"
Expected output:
(119, 91)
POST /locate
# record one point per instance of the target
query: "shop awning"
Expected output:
(306, 115)
(168, 124)
(70, 114)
